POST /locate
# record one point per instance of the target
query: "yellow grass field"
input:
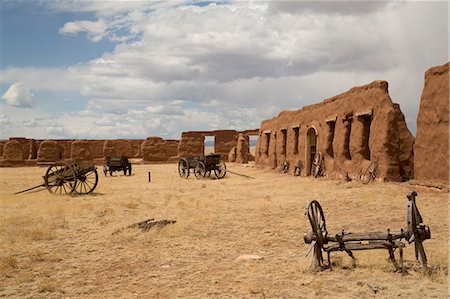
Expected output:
(54, 246)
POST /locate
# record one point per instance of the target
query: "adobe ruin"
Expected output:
(431, 149)
(225, 141)
(350, 130)
(19, 151)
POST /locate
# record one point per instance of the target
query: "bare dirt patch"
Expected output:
(55, 246)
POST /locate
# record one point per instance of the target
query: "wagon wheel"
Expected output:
(183, 168)
(208, 173)
(221, 170)
(285, 166)
(105, 169)
(370, 173)
(129, 169)
(60, 178)
(317, 164)
(319, 230)
(200, 170)
(419, 232)
(86, 181)
(298, 168)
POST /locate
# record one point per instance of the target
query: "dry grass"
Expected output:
(61, 246)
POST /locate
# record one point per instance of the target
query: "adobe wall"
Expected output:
(350, 130)
(50, 151)
(117, 148)
(14, 151)
(154, 149)
(431, 149)
(191, 144)
(225, 141)
(2, 145)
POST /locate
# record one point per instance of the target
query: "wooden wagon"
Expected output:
(202, 166)
(65, 178)
(113, 164)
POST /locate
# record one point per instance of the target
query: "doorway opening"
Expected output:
(210, 145)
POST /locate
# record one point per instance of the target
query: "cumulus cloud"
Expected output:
(348, 7)
(94, 29)
(18, 95)
(232, 64)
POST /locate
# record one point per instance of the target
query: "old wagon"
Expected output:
(202, 166)
(114, 164)
(65, 178)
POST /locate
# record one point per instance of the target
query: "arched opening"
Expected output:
(311, 148)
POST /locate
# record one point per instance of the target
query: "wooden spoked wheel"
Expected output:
(319, 230)
(420, 232)
(371, 173)
(200, 170)
(317, 164)
(221, 170)
(183, 168)
(60, 178)
(87, 181)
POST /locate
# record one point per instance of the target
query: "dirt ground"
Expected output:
(233, 238)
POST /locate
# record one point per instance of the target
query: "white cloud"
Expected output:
(94, 29)
(18, 95)
(235, 64)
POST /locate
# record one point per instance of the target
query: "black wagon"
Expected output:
(117, 164)
(202, 166)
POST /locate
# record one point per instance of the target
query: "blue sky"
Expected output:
(133, 69)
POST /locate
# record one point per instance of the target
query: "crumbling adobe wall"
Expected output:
(14, 151)
(172, 148)
(431, 149)
(50, 151)
(26, 145)
(191, 144)
(136, 148)
(350, 130)
(117, 148)
(154, 149)
(80, 151)
(242, 148)
(96, 148)
(2, 145)
(224, 141)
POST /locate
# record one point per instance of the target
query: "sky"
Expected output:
(132, 69)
